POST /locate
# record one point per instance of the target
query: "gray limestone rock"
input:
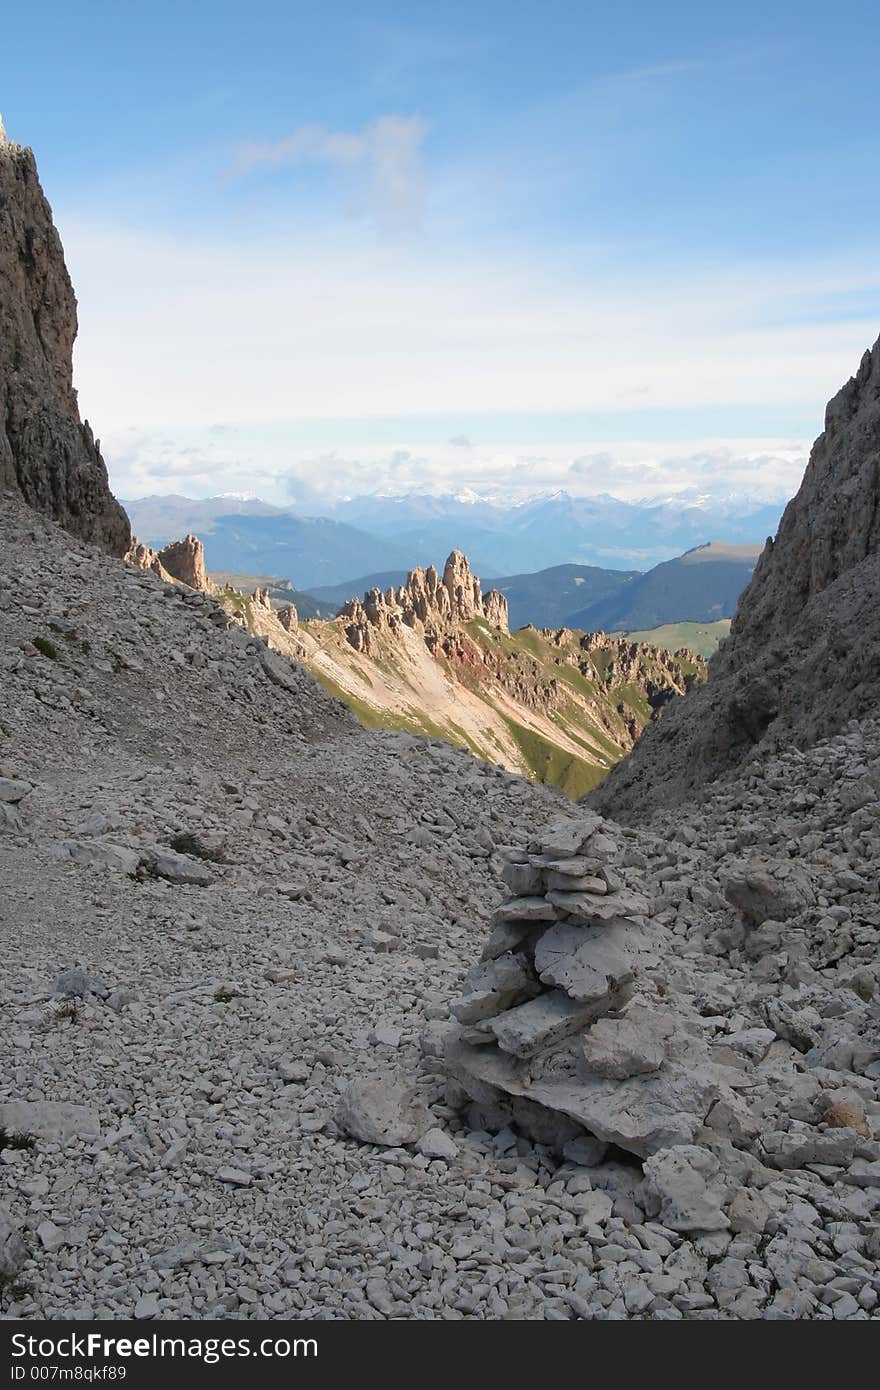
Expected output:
(179, 868)
(436, 1143)
(491, 986)
(574, 884)
(628, 1046)
(589, 907)
(683, 1188)
(10, 817)
(642, 1114)
(592, 963)
(526, 910)
(79, 984)
(585, 1150)
(49, 1119)
(382, 1110)
(748, 1211)
(801, 658)
(564, 837)
(540, 1022)
(13, 1251)
(522, 879)
(767, 890)
(12, 790)
(100, 855)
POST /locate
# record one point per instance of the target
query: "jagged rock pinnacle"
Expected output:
(426, 599)
(179, 562)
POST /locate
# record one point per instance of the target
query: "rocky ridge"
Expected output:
(47, 455)
(803, 656)
(433, 605)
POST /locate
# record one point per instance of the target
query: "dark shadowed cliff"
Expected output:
(803, 655)
(47, 455)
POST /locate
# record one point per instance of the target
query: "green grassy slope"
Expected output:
(571, 709)
(702, 638)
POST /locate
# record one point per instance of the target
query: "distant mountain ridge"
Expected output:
(549, 597)
(339, 594)
(253, 537)
(280, 592)
(600, 530)
(701, 586)
(544, 599)
(380, 534)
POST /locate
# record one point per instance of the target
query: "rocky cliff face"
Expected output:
(47, 455)
(803, 656)
(426, 602)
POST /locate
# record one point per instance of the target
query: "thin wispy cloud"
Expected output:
(202, 463)
(322, 328)
(386, 155)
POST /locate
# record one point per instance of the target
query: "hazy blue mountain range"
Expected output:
(367, 536)
(600, 531)
(169, 516)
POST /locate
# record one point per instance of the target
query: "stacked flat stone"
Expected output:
(563, 1016)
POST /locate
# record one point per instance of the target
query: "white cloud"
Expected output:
(175, 331)
(203, 463)
(388, 151)
(237, 351)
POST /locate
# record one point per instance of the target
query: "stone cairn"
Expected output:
(565, 1027)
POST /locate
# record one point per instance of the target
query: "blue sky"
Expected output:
(308, 241)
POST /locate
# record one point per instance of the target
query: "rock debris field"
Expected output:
(305, 1021)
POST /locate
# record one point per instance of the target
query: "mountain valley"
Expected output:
(308, 1020)
(435, 656)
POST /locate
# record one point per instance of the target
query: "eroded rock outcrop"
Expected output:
(179, 562)
(144, 557)
(47, 455)
(803, 656)
(185, 561)
(426, 602)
